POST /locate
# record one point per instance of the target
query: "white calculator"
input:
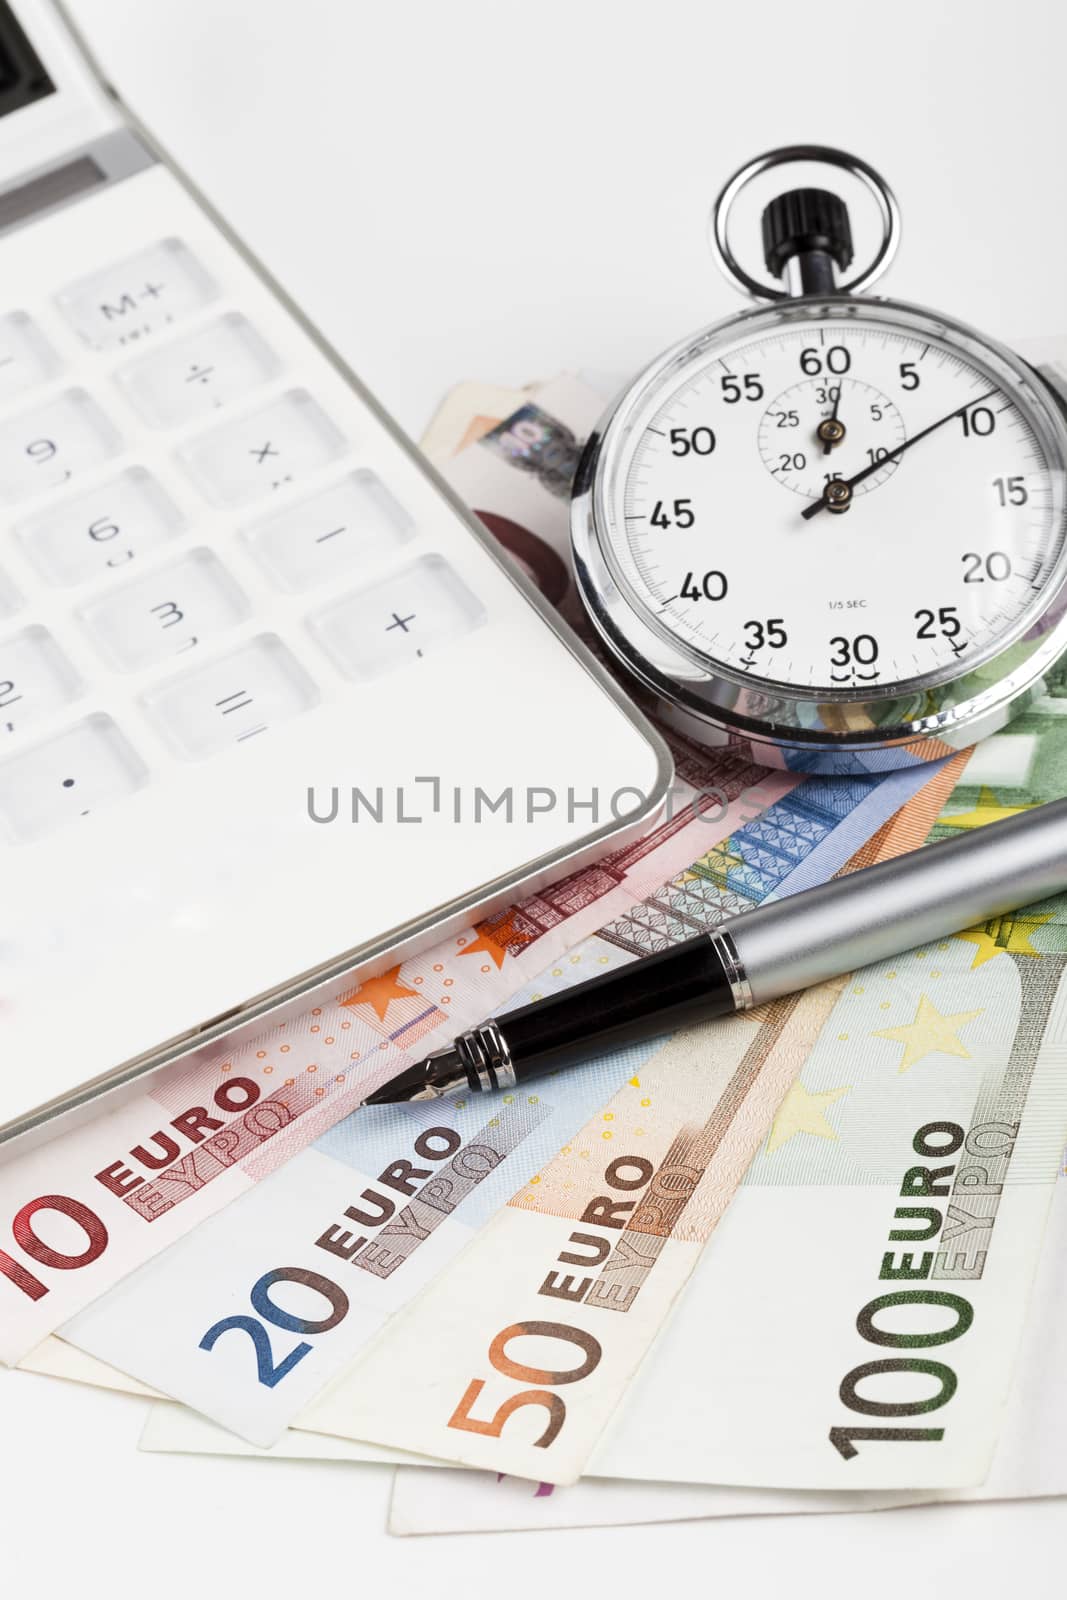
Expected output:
(251, 648)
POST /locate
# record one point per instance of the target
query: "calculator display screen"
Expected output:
(23, 78)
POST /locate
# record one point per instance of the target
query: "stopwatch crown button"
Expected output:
(803, 221)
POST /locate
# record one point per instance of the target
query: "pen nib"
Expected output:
(411, 1084)
(437, 1075)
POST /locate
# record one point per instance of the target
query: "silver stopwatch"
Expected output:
(834, 525)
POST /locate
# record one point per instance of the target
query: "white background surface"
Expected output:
(481, 189)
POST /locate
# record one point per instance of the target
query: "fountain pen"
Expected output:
(773, 950)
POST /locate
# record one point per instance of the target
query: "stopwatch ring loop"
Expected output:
(873, 181)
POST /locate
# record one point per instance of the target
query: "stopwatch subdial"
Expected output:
(803, 457)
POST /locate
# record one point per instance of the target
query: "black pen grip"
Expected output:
(684, 984)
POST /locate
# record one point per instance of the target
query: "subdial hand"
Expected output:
(837, 496)
(830, 430)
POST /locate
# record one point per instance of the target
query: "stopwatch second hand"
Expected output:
(837, 496)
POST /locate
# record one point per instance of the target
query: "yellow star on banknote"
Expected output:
(987, 810)
(1016, 939)
(987, 945)
(803, 1112)
(931, 1033)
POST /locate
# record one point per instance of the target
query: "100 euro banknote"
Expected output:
(856, 1321)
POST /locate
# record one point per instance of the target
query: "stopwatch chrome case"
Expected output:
(929, 699)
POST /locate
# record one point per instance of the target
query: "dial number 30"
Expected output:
(863, 648)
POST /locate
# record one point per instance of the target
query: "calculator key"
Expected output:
(42, 448)
(125, 302)
(231, 700)
(76, 773)
(166, 613)
(266, 450)
(10, 599)
(331, 532)
(398, 620)
(35, 678)
(191, 377)
(100, 531)
(26, 357)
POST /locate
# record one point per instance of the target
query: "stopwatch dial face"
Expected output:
(837, 505)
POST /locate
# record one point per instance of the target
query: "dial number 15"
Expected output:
(1011, 491)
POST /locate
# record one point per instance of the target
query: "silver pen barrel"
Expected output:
(899, 905)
